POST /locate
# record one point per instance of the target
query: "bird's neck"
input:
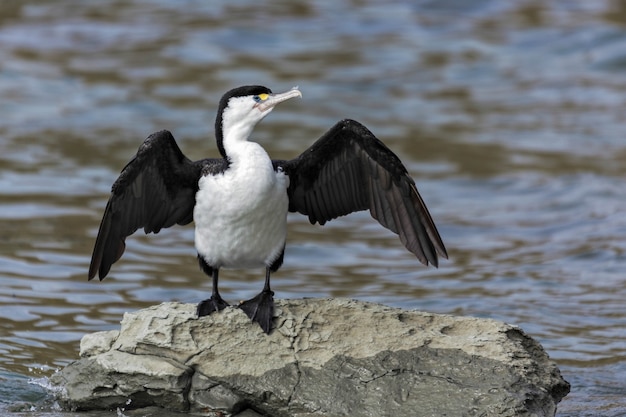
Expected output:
(234, 136)
(241, 152)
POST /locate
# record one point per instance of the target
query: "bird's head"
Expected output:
(242, 108)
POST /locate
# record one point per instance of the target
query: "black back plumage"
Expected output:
(348, 169)
(155, 190)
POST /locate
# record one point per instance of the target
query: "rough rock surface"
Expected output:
(324, 358)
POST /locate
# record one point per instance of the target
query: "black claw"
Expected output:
(260, 309)
(211, 305)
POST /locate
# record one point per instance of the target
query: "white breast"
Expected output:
(241, 215)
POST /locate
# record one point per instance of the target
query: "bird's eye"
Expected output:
(261, 97)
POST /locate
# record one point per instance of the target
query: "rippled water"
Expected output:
(510, 115)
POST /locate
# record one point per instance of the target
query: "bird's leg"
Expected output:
(215, 303)
(261, 308)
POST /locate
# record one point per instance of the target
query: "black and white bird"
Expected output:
(239, 202)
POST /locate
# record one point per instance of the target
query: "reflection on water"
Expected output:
(510, 115)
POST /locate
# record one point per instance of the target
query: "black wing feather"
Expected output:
(349, 169)
(155, 190)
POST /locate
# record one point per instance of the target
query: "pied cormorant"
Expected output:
(239, 202)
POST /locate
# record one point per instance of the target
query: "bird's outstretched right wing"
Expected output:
(155, 190)
(348, 169)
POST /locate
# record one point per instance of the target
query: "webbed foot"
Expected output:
(260, 309)
(211, 305)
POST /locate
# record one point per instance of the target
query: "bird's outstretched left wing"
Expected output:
(155, 190)
(348, 169)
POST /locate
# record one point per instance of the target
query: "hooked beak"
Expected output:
(274, 99)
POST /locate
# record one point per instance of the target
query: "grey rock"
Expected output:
(324, 358)
(95, 343)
